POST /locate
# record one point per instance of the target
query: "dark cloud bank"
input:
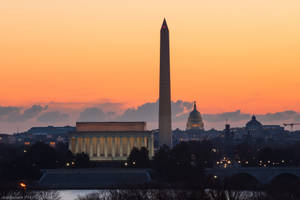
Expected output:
(95, 114)
(18, 114)
(148, 112)
(180, 111)
(53, 117)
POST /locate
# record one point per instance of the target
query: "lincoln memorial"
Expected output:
(106, 141)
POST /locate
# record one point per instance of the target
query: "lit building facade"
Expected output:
(195, 121)
(107, 141)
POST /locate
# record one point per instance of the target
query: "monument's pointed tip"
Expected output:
(164, 25)
(165, 22)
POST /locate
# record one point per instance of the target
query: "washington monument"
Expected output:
(165, 129)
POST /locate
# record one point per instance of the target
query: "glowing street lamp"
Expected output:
(23, 185)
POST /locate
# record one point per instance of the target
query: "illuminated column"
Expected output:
(150, 148)
(105, 147)
(145, 141)
(121, 147)
(91, 147)
(135, 142)
(113, 151)
(128, 146)
(149, 143)
(83, 146)
(98, 146)
(76, 145)
(80, 144)
(141, 142)
(138, 142)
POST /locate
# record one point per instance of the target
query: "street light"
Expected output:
(23, 185)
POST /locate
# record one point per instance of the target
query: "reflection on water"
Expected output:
(73, 194)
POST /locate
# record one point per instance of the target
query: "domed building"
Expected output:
(195, 121)
(253, 124)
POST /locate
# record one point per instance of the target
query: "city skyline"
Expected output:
(151, 100)
(19, 119)
(230, 58)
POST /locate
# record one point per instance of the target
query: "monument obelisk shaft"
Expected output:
(165, 129)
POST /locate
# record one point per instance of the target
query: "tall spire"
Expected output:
(165, 127)
(195, 108)
(164, 25)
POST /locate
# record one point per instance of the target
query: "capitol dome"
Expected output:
(253, 124)
(195, 120)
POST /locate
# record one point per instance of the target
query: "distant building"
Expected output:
(195, 121)
(273, 128)
(253, 125)
(107, 141)
(48, 134)
(51, 130)
(7, 139)
(228, 134)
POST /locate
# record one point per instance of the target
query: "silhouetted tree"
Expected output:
(82, 160)
(139, 158)
(183, 163)
(43, 156)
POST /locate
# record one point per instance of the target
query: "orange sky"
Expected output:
(227, 55)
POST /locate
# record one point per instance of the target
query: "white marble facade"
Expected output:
(108, 146)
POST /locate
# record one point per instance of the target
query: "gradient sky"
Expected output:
(227, 55)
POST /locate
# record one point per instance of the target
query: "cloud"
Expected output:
(285, 115)
(149, 111)
(222, 117)
(15, 114)
(110, 107)
(53, 117)
(14, 118)
(268, 118)
(104, 105)
(5, 112)
(32, 112)
(297, 117)
(94, 114)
